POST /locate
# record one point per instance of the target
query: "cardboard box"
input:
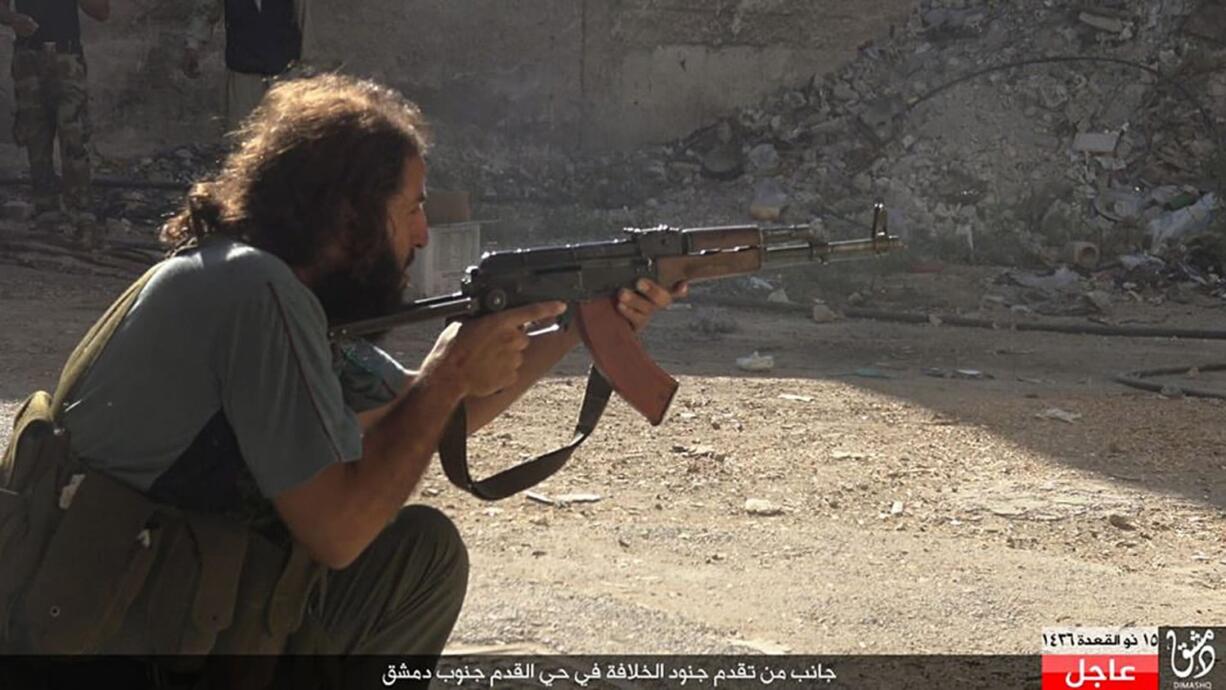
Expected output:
(439, 268)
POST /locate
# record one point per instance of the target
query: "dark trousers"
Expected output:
(396, 603)
(400, 597)
(51, 102)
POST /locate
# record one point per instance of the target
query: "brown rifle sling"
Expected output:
(453, 448)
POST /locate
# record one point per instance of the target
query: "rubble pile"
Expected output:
(1000, 132)
(1033, 133)
(151, 187)
(129, 196)
(118, 236)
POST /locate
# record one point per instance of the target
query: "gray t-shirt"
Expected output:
(224, 353)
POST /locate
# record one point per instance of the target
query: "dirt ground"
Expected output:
(917, 513)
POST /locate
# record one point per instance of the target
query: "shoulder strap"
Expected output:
(95, 340)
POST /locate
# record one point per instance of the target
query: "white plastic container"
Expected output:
(439, 268)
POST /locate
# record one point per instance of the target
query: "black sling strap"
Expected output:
(453, 448)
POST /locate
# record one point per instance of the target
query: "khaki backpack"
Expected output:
(90, 565)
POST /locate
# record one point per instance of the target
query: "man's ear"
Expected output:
(337, 246)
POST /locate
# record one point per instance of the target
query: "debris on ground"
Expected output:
(871, 373)
(824, 314)
(565, 499)
(763, 507)
(968, 374)
(713, 322)
(779, 296)
(1059, 415)
(755, 362)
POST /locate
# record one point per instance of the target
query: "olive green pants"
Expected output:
(51, 102)
(398, 601)
(400, 597)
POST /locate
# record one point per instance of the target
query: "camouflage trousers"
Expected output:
(51, 101)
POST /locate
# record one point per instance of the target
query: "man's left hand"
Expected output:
(640, 304)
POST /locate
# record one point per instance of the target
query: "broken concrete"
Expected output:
(599, 74)
(1096, 142)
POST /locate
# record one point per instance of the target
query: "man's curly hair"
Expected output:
(315, 163)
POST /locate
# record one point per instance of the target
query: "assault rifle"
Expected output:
(589, 276)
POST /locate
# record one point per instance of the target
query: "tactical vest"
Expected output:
(261, 40)
(90, 565)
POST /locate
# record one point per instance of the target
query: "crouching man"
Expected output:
(263, 469)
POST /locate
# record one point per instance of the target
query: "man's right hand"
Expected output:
(483, 355)
(23, 25)
(191, 63)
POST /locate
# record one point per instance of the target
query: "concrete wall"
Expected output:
(591, 73)
(657, 68)
(599, 73)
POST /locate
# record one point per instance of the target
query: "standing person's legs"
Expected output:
(243, 94)
(34, 124)
(306, 27)
(72, 123)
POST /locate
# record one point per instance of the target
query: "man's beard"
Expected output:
(348, 295)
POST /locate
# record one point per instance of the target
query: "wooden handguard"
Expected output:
(618, 355)
(732, 237)
(671, 270)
